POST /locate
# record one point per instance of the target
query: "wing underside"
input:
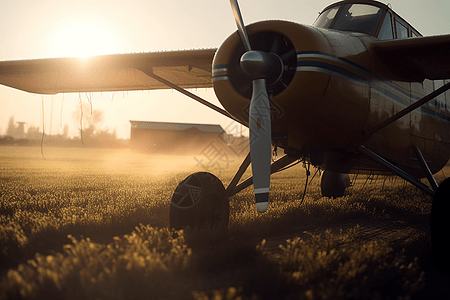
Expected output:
(118, 72)
(413, 59)
(416, 59)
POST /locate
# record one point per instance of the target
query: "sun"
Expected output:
(82, 40)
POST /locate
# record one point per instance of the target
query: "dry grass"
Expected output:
(71, 228)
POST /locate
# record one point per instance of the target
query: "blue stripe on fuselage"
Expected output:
(385, 88)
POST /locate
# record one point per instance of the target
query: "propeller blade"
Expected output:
(276, 45)
(258, 65)
(287, 56)
(260, 143)
(240, 24)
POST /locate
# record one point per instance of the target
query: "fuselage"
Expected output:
(335, 88)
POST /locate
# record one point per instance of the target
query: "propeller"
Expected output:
(259, 66)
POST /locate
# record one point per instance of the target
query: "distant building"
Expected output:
(179, 138)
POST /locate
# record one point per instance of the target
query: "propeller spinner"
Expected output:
(259, 66)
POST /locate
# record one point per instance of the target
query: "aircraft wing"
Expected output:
(416, 58)
(118, 72)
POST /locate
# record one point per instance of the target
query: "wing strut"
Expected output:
(234, 188)
(396, 170)
(191, 95)
(426, 169)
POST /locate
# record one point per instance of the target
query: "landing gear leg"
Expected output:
(440, 225)
(199, 201)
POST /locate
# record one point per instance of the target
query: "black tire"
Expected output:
(333, 184)
(199, 201)
(440, 225)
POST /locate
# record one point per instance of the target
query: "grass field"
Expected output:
(92, 224)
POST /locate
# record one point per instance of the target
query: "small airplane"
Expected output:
(360, 91)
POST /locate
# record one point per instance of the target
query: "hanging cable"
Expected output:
(60, 116)
(314, 175)
(43, 128)
(355, 178)
(306, 184)
(369, 177)
(89, 99)
(385, 178)
(81, 118)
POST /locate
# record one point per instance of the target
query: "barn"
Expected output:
(174, 138)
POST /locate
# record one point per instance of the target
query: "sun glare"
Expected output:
(84, 39)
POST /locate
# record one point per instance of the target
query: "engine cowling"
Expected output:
(288, 91)
(321, 100)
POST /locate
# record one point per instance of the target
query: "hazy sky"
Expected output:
(54, 28)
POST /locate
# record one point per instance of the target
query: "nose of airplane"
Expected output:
(297, 88)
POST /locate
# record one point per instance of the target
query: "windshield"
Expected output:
(359, 17)
(325, 18)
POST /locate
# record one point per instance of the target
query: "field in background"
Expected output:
(92, 223)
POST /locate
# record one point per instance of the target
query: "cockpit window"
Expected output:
(359, 17)
(386, 32)
(325, 18)
(402, 31)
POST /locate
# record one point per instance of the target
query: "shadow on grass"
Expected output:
(212, 264)
(405, 206)
(149, 263)
(157, 263)
(19, 246)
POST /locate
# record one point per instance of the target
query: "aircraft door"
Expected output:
(428, 127)
(442, 134)
(395, 138)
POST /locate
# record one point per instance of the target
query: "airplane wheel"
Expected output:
(333, 184)
(199, 201)
(440, 225)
